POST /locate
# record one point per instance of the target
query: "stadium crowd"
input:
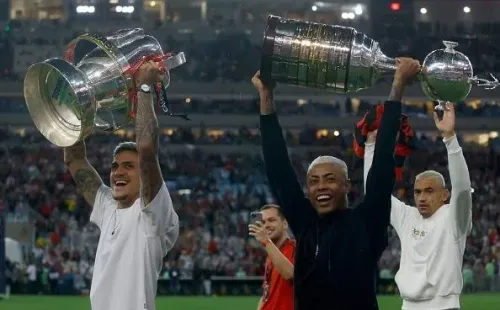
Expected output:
(213, 195)
(344, 107)
(228, 53)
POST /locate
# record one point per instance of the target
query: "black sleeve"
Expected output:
(376, 206)
(281, 175)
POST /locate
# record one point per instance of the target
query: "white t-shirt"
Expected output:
(132, 244)
(432, 249)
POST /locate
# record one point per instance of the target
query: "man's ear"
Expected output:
(446, 195)
(285, 224)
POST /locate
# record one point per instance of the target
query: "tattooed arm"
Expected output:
(85, 176)
(146, 135)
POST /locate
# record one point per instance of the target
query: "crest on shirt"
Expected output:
(418, 233)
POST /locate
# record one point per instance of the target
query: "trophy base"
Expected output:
(268, 48)
(61, 106)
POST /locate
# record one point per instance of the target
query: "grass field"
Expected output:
(469, 302)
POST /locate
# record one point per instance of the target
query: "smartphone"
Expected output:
(255, 216)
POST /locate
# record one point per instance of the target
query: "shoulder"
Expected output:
(162, 198)
(288, 248)
(290, 244)
(103, 195)
(443, 213)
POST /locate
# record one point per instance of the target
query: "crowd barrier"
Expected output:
(225, 286)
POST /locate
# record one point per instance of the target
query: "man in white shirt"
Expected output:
(136, 218)
(433, 235)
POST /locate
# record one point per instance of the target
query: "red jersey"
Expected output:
(277, 291)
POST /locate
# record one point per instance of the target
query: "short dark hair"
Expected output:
(125, 146)
(275, 207)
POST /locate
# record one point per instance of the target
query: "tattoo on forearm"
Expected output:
(151, 184)
(87, 183)
(146, 123)
(74, 152)
(147, 133)
(267, 104)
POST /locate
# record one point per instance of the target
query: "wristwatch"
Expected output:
(144, 88)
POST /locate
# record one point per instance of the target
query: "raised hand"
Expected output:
(149, 73)
(261, 85)
(258, 231)
(446, 125)
(406, 70)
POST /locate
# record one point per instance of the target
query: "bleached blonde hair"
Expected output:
(431, 174)
(328, 160)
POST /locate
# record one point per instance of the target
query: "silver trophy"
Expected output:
(92, 87)
(342, 60)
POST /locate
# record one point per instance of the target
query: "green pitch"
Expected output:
(472, 302)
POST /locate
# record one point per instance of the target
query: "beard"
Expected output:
(120, 197)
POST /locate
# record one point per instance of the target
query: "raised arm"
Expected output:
(85, 176)
(399, 210)
(146, 133)
(282, 261)
(381, 177)
(157, 203)
(461, 193)
(280, 173)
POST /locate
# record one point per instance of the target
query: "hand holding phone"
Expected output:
(255, 216)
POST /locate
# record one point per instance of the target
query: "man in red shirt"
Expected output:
(278, 277)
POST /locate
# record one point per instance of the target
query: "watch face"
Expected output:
(145, 88)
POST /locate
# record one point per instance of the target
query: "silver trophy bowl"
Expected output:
(340, 59)
(92, 87)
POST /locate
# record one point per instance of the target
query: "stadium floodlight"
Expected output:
(85, 9)
(358, 10)
(348, 15)
(423, 11)
(314, 8)
(127, 9)
(466, 9)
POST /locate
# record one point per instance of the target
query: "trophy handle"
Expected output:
(487, 84)
(103, 125)
(171, 63)
(175, 61)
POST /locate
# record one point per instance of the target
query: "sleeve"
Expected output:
(102, 203)
(461, 193)
(289, 252)
(399, 210)
(281, 175)
(161, 218)
(376, 205)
